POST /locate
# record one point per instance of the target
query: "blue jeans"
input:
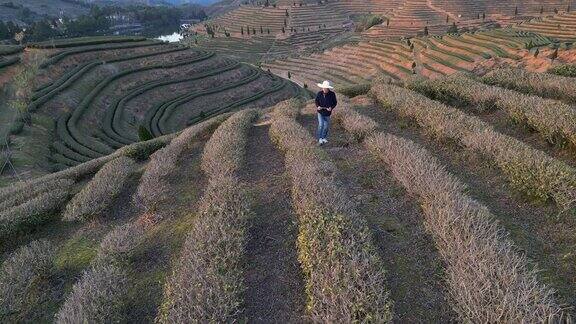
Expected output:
(323, 125)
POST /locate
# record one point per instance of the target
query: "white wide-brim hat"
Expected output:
(325, 85)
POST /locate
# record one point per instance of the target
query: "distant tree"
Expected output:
(554, 55)
(541, 9)
(283, 30)
(287, 14)
(478, 16)
(483, 16)
(413, 67)
(516, 11)
(13, 28)
(4, 31)
(41, 30)
(447, 18)
(387, 22)
(261, 30)
(253, 31)
(241, 30)
(556, 10)
(97, 22)
(426, 33)
(289, 75)
(568, 9)
(25, 14)
(453, 29)
(144, 134)
(536, 53)
(268, 31)
(285, 22)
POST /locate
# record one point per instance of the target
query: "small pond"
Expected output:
(175, 37)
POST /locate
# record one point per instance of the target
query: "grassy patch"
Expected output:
(354, 90)
(76, 254)
(32, 147)
(154, 264)
(368, 21)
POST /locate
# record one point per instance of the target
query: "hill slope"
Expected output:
(206, 226)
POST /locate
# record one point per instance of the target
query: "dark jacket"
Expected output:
(324, 101)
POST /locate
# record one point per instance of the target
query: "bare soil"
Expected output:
(275, 284)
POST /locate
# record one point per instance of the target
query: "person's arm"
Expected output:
(318, 101)
(335, 101)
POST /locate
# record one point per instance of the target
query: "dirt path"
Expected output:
(275, 287)
(418, 60)
(413, 264)
(547, 238)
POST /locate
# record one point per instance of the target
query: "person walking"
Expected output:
(325, 103)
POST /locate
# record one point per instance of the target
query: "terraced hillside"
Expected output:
(100, 93)
(245, 19)
(437, 56)
(252, 49)
(471, 9)
(243, 218)
(402, 18)
(9, 56)
(561, 26)
(257, 49)
(431, 57)
(358, 7)
(149, 182)
(252, 33)
(291, 28)
(349, 64)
